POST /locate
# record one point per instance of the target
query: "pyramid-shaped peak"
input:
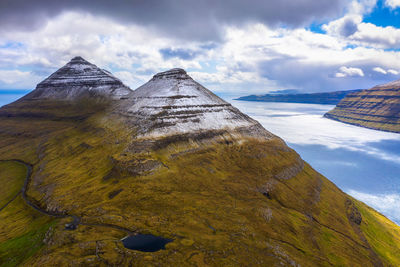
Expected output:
(80, 61)
(177, 88)
(79, 64)
(172, 73)
(78, 58)
(79, 78)
(172, 103)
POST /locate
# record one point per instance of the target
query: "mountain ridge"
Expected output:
(375, 108)
(224, 197)
(83, 79)
(173, 103)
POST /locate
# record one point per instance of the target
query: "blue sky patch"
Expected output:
(383, 16)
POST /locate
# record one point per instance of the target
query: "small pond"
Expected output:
(145, 243)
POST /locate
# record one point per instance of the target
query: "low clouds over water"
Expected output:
(364, 163)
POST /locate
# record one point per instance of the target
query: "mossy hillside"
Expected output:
(213, 196)
(22, 229)
(253, 202)
(26, 125)
(85, 246)
(18, 250)
(381, 233)
(22, 137)
(12, 177)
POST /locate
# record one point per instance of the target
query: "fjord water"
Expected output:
(8, 96)
(362, 162)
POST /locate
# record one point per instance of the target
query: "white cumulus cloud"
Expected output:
(380, 37)
(349, 72)
(380, 70)
(345, 26)
(18, 79)
(383, 71)
(253, 58)
(393, 3)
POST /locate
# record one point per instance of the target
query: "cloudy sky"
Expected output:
(234, 47)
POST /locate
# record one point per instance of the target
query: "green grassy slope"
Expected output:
(12, 177)
(22, 229)
(225, 202)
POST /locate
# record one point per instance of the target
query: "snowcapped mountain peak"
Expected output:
(173, 103)
(175, 73)
(177, 88)
(78, 58)
(79, 78)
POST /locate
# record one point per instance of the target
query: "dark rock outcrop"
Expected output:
(353, 213)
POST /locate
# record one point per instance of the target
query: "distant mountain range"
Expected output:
(93, 173)
(376, 108)
(290, 96)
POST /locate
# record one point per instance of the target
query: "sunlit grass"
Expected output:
(252, 202)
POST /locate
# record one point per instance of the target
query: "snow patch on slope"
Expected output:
(79, 78)
(173, 103)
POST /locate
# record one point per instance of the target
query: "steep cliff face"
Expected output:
(76, 79)
(234, 198)
(375, 108)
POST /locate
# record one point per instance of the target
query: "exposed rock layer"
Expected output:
(247, 203)
(173, 103)
(376, 108)
(76, 79)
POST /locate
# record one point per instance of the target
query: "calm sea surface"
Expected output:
(362, 162)
(8, 97)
